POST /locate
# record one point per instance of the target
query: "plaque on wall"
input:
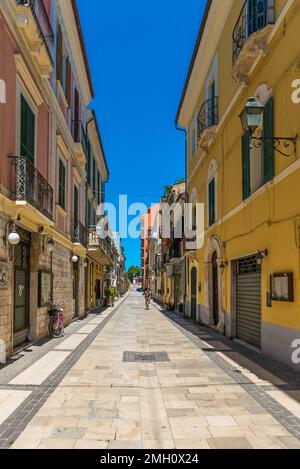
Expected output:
(45, 288)
(282, 287)
(3, 274)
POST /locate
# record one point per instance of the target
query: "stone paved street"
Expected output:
(192, 389)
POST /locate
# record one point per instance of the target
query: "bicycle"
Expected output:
(56, 322)
(147, 303)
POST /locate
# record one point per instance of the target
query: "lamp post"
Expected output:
(251, 118)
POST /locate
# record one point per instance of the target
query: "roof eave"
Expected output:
(83, 48)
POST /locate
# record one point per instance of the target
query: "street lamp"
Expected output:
(223, 266)
(50, 245)
(251, 115)
(14, 237)
(251, 118)
(261, 255)
(74, 259)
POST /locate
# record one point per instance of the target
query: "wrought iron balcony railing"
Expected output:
(253, 17)
(79, 233)
(103, 243)
(79, 134)
(43, 23)
(31, 187)
(208, 115)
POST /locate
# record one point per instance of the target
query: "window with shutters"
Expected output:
(258, 161)
(212, 192)
(27, 143)
(99, 188)
(102, 193)
(76, 123)
(89, 208)
(59, 55)
(75, 206)
(212, 202)
(94, 177)
(62, 185)
(88, 162)
(68, 82)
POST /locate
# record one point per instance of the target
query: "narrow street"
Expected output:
(180, 387)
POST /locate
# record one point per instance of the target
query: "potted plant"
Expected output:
(110, 296)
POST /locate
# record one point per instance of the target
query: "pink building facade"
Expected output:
(46, 141)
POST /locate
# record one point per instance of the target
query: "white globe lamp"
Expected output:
(14, 238)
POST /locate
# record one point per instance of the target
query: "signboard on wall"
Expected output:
(3, 274)
(45, 288)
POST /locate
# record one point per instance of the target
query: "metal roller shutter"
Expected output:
(248, 301)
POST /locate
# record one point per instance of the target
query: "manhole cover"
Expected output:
(149, 357)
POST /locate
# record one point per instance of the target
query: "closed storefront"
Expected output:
(248, 301)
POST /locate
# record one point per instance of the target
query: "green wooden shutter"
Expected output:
(75, 206)
(89, 213)
(94, 177)
(212, 202)
(102, 193)
(246, 165)
(62, 185)
(88, 162)
(268, 132)
(27, 130)
(99, 188)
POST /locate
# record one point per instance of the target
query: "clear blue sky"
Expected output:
(139, 52)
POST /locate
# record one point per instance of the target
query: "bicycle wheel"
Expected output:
(54, 331)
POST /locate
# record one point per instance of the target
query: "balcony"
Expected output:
(175, 250)
(30, 187)
(208, 119)
(250, 36)
(99, 248)
(79, 233)
(33, 22)
(80, 142)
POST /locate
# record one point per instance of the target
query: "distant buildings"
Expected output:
(163, 257)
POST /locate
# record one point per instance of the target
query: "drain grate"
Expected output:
(148, 357)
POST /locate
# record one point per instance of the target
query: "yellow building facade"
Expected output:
(244, 279)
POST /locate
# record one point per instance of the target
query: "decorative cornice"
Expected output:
(27, 79)
(62, 146)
